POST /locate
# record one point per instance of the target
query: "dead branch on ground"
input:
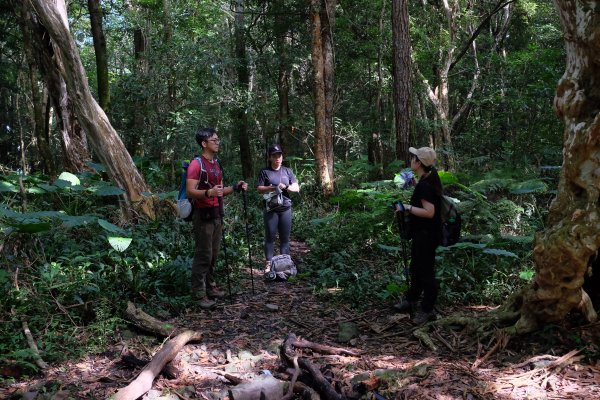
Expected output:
(321, 384)
(143, 382)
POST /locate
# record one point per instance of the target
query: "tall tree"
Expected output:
(38, 91)
(73, 140)
(140, 53)
(565, 250)
(458, 37)
(322, 15)
(402, 76)
(95, 9)
(243, 82)
(281, 30)
(104, 140)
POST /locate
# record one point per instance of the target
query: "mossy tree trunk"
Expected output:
(563, 252)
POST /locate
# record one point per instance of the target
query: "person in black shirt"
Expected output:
(277, 179)
(425, 228)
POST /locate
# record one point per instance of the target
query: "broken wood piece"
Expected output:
(143, 382)
(323, 349)
(587, 308)
(322, 385)
(148, 322)
(33, 346)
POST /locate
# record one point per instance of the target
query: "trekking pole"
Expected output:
(248, 240)
(227, 265)
(400, 221)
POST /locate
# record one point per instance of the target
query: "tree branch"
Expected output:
(477, 31)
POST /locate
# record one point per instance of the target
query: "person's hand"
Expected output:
(406, 208)
(241, 185)
(217, 191)
(282, 186)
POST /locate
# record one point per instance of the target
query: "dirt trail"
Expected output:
(241, 338)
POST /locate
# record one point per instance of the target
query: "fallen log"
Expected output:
(143, 382)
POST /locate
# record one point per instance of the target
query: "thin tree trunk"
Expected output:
(379, 106)
(564, 251)
(327, 25)
(283, 78)
(402, 76)
(95, 10)
(243, 75)
(140, 45)
(103, 138)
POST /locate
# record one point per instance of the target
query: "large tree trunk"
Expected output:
(73, 140)
(37, 92)
(323, 176)
(563, 252)
(402, 76)
(323, 144)
(243, 75)
(95, 10)
(105, 141)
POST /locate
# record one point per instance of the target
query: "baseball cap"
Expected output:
(275, 149)
(425, 154)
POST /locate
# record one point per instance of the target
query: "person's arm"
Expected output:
(192, 191)
(230, 189)
(294, 187)
(427, 211)
(265, 189)
(261, 184)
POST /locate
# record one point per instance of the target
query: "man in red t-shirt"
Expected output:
(205, 187)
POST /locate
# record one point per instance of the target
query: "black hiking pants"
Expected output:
(422, 271)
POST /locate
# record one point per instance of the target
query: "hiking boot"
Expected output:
(423, 317)
(404, 306)
(206, 303)
(215, 293)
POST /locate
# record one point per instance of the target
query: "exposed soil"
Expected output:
(242, 338)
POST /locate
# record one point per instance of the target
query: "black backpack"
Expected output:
(451, 221)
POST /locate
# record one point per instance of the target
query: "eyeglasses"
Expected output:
(216, 141)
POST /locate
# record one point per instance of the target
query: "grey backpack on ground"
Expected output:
(282, 267)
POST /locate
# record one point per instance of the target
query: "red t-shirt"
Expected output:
(211, 177)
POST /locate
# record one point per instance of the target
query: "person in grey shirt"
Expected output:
(273, 180)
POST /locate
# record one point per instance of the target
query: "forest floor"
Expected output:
(242, 338)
